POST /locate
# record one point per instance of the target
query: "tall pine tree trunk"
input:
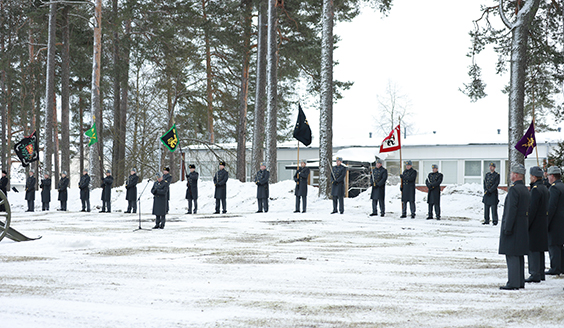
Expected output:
(246, 20)
(326, 111)
(96, 164)
(272, 92)
(126, 49)
(65, 93)
(116, 160)
(209, 87)
(56, 140)
(50, 90)
(258, 128)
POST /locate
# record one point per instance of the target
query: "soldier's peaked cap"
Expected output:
(222, 163)
(434, 166)
(64, 172)
(408, 163)
(108, 171)
(535, 171)
(159, 175)
(4, 171)
(85, 170)
(554, 170)
(518, 168)
(262, 164)
(303, 161)
(166, 168)
(379, 161)
(191, 166)
(340, 159)
(134, 169)
(492, 164)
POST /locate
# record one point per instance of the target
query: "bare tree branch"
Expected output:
(503, 17)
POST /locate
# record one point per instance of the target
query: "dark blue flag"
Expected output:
(528, 143)
(302, 131)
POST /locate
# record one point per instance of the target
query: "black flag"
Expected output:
(302, 131)
(26, 149)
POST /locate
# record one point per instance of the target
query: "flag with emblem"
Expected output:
(26, 149)
(170, 139)
(392, 142)
(93, 134)
(528, 143)
(302, 131)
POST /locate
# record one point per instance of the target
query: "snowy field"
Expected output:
(277, 269)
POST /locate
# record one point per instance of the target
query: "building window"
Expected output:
(449, 169)
(472, 171)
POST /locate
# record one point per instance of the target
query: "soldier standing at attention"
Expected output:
(192, 189)
(107, 192)
(261, 180)
(301, 178)
(84, 186)
(62, 188)
(160, 192)
(378, 178)
(4, 188)
(45, 192)
(167, 177)
(220, 181)
(338, 186)
(408, 177)
(131, 194)
(30, 184)
(555, 220)
(433, 183)
(538, 226)
(490, 199)
(514, 234)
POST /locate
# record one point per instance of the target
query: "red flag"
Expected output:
(392, 142)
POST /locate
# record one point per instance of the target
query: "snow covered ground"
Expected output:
(277, 269)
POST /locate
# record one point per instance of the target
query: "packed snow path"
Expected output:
(277, 269)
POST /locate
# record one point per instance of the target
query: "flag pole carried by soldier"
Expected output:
(538, 225)
(339, 173)
(220, 181)
(490, 198)
(192, 189)
(378, 177)
(84, 186)
(433, 183)
(301, 177)
(62, 189)
(45, 192)
(167, 178)
(261, 180)
(131, 191)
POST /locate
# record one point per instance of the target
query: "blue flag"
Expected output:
(528, 143)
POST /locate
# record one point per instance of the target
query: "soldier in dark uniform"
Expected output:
(30, 184)
(220, 181)
(490, 198)
(555, 220)
(378, 178)
(160, 192)
(338, 186)
(62, 188)
(45, 186)
(84, 186)
(107, 192)
(433, 183)
(538, 226)
(301, 179)
(514, 234)
(167, 177)
(4, 188)
(261, 180)
(131, 191)
(192, 189)
(409, 176)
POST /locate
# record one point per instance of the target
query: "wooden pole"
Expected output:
(298, 163)
(534, 128)
(401, 165)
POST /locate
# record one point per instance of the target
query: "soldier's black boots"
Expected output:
(508, 288)
(485, 223)
(374, 214)
(156, 227)
(429, 218)
(403, 216)
(333, 212)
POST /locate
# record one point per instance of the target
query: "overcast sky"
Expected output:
(422, 48)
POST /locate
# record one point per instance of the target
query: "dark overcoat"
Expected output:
(159, 191)
(220, 180)
(556, 214)
(408, 177)
(168, 179)
(45, 186)
(378, 179)
(131, 187)
(261, 180)
(84, 185)
(491, 181)
(433, 183)
(338, 180)
(4, 185)
(30, 183)
(62, 188)
(192, 185)
(514, 234)
(538, 225)
(300, 178)
(107, 188)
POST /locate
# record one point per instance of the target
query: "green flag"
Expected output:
(92, 134)
(170, 139)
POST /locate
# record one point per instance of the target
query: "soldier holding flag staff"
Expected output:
(261, 180)
(301, 177)
(433, 183)
(408, 177)
(338, 186)
(167, 177)
(30, 184)
(220, 181)
(192, 189)
(378, 178)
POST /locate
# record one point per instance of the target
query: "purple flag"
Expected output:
(528, 143)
